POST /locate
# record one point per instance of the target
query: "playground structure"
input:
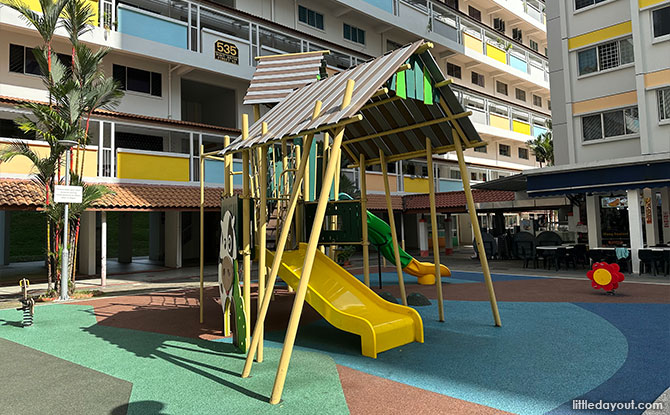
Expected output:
(398, 106)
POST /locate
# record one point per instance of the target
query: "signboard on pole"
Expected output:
(68, 194)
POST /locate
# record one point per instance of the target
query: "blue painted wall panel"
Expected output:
(214, 171)
(538, 130)
(450, 185)
(517, 63)
(148, 27)
(386, 5)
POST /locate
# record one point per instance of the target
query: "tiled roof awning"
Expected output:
(399, 99)
(278, 75)
(25, 194)
(454, 201)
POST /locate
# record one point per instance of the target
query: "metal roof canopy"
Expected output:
(376, 118)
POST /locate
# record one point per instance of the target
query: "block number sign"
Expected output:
(226, 52)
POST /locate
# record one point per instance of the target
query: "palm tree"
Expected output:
(75, 92)
(543, 146)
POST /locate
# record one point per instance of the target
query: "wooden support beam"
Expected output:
(202, 234)
(281, 245)
(409, 127)
(246, 230)
(475, 227)
(444, 83)
(342, 123)
(433, 225)
(380, 102)
(424, 47)
(310, 254)
(403, 67)
(394, 234)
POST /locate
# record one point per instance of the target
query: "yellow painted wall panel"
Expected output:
(90, 162)
(521, 127)
(472, 43)
(20, 164)
(611, 101)
(499, 122)
(496, 53)
(648, 3)
(151, 167)
(600, 35)
(376, 182)
(416, 185)
(35, 6)
(658, 78)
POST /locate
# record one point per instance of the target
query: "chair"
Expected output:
(526, 251)
(547, 256)
(579, 255)
(666, 255)
(650, 260)
(595, 255)
(549, 238)
(565, 256)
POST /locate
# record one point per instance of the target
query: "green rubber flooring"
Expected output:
(171, 375)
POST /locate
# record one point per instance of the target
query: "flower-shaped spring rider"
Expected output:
(605, 276)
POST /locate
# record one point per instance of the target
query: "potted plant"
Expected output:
(344, 254)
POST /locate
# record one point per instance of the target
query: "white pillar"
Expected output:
(665, 214)
(593, 221)
(103, 248)
(173, 246)
(423, 237)
(4, 237)
(86, 254)
(650, 216)
(635, 227)
(126, 237)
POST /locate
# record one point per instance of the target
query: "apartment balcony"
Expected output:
(498, 118)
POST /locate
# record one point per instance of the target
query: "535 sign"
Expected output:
(226, 52)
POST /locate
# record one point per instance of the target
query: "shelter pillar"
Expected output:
(86, 253)
(156, 235)
(593, 221)
(650, 216)
(665, 213)
(103, 248)
(4, 237)
(448, 239)
(635, 227)
(173, 246)
(126, 237)
(423, 237)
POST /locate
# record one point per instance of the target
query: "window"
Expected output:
(454, 174)
(549, 104)
(481, 149)
(610, 124)
(22, 60)
(520, 94)
(453, 70)
(533, 45)
(504, 150)
(499, 24)
(663, 104)
(580, 4)
(517, 35)
(537, 101)
(478, 79)
(310, 17)
(474, 13)
(606, 56)
(501, 87)
(523, 153)
(661, 21)
(138, 80)
(391, 45)
(473, 176)
(354, 34)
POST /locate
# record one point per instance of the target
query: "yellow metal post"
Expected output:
(364, 219)
(246, 229)
(298, 218)
(310, 253)
(202, 230)
(394, 233)
(475, 226)
(281, 244)
(433, 225)
(262, 235)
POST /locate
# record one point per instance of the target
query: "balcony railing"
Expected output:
(196, 26)
(474, 35)
(500, 114)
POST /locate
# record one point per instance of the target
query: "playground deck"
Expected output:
(561, 340)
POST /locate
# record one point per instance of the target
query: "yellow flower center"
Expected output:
(602, 276)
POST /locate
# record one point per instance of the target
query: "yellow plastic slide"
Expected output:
(346, 303)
